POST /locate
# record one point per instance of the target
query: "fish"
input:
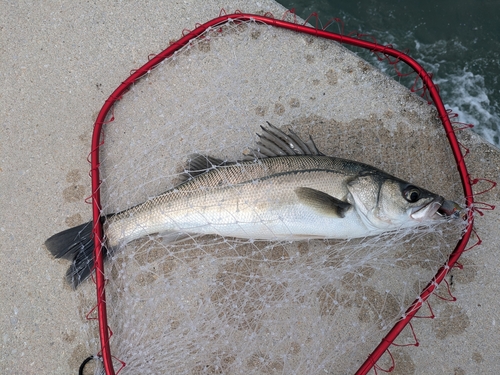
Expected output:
(284, 189)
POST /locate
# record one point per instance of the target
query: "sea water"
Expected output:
(456, 40)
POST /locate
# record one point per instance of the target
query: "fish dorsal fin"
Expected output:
(273, 142)
(322, 202)
(198, 164)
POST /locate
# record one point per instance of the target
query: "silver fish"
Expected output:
(288, 190)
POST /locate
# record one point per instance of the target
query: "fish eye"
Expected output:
(412, 194)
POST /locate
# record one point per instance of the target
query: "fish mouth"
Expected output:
(438, 208)
(429, 210)
(450, 209)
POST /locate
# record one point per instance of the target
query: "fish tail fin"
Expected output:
(75, 244)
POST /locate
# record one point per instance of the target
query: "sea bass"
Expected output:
(289, 190)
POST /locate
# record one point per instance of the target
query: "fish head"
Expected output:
(385, 202)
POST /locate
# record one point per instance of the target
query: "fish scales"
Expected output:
(247, 199)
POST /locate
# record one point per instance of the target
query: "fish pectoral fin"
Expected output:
(322, 202)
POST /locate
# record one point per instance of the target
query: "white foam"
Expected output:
(463, 91)
(467, 95)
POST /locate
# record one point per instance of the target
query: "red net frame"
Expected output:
(428, 89)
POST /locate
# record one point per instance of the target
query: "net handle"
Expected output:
(242, 17)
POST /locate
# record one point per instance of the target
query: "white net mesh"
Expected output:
(213, 305)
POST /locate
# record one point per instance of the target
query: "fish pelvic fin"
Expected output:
(75, 244)
(322, 202)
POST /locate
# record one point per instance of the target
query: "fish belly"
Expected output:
(266, 210)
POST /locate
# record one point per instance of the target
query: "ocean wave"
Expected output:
(463, 57)
(462, 89)
(467, 95)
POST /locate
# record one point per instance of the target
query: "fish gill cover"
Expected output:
(210, 304)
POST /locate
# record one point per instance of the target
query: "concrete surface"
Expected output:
(60, 61)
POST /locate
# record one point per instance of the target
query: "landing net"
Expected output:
(208, 305)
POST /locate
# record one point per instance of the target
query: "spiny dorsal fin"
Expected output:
(322, 202)
(198, 164)
(273, 142)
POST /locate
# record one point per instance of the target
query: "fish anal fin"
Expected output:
(169, 238)
(322, 202)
